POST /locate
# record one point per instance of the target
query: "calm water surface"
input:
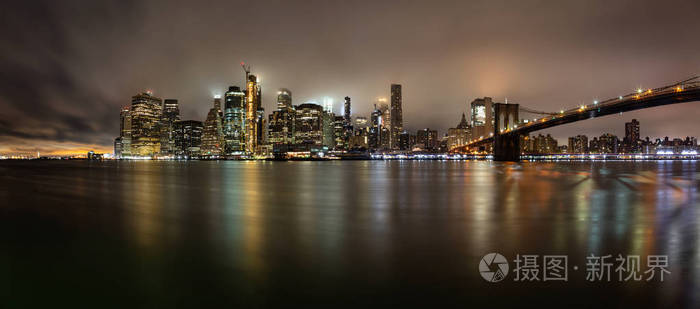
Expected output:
(252, 234)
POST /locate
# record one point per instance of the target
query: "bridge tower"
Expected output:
(506, 145)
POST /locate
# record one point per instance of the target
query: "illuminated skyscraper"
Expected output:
(253, 133)
(122, 146)
(281, 121)
(482, 117)
(212, 136)
(396, 122)
(188, 138)
(459, 135)
(375, 128)
(171, 113)
(146, 111)
(234, 121)
(309, 124)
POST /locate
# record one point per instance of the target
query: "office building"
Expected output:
(396, 120)
(146, 113)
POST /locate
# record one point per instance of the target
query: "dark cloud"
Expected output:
(67, 66)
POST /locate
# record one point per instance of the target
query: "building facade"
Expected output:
(234, 121)
(396, 121)
(146, 113)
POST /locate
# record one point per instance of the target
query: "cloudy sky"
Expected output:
(67, 66)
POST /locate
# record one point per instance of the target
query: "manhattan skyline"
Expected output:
(68, 72)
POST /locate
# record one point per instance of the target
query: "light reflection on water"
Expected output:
(331, 229)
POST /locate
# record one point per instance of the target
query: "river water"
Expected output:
(342, 233)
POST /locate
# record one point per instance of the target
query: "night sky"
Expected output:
(68, 66)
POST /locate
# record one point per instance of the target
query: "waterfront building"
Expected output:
(481, 117)
(607, 143)
(328, 130)
(124, 139)
(281, 121)
(146, 113)
(458, 135)
(340, 137)
(212, 135)
(404, 141)
(396, 120)
(171, 114)
(427, 139)
(375, 127)
(234, 121)
(188, 138)
(253, 97)
(578, 144)
(545, 144)
(308, 124)
(631, 142)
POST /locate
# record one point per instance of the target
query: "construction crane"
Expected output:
(246, 68)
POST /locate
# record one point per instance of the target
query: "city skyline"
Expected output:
(547, 63)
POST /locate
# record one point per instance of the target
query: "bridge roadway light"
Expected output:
(595, 102)
(639, 90)
(620, 97)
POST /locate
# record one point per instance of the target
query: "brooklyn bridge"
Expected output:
(504, 141)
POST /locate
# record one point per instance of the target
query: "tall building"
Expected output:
(188, 138)
(284, 99)
(212, 135)
(122, 145)
(427, 139)
(328, 130)
(146, 112)
(607, 143)
(375, 128)
(308, 124)
(459, 135)
(281, 121)
(396, 122)
(545, 144)
(481, 117)
(252, 114)
(340, 140)
(346, 112)
(578, 144)
(632, 143)
(171, 114)
(234, 121)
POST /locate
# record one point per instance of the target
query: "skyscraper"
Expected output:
(281, 121)
(482, 117)
(188, 138)
(234, 121)
(171, 113)
(309, 125)
(396, 123)
(631, 141)
(375, 128)
(212, 135)
(252, 107)
(146, 111)
(124, 142)
(346, 112)
(284, 99)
